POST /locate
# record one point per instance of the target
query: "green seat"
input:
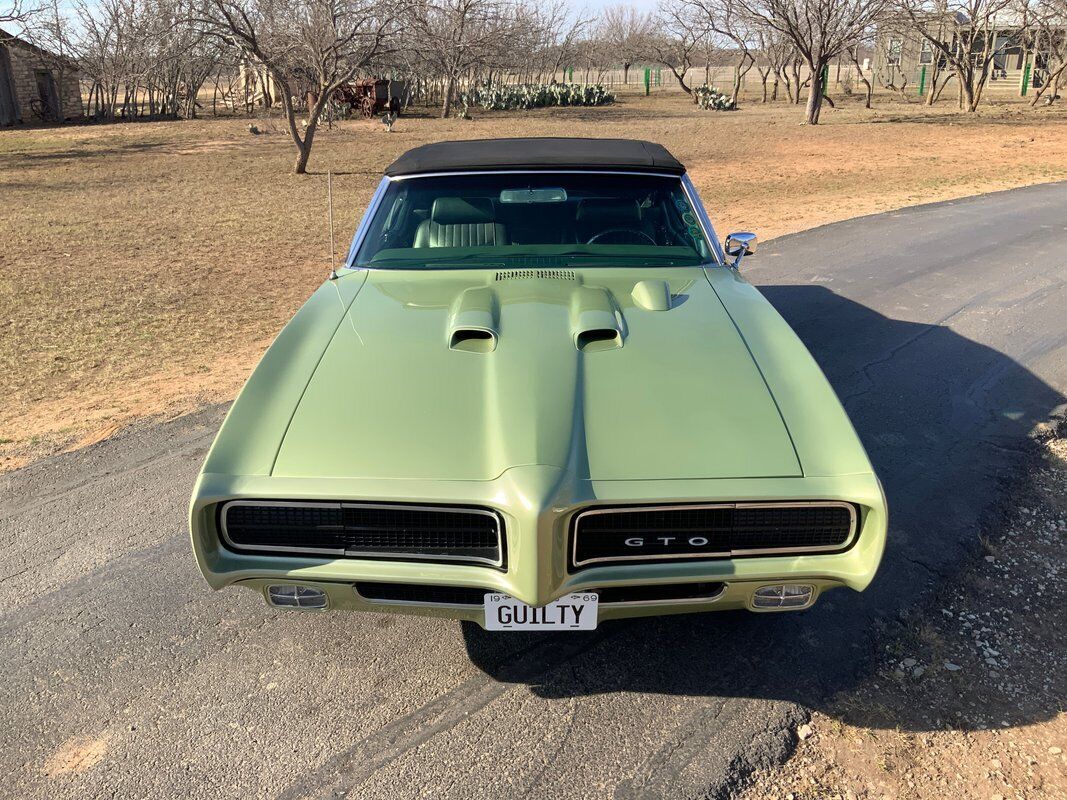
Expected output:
(460, 222)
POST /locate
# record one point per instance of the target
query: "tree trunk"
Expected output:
(854, 57)
(967, 102)
(446, 104)
(303, 154)
(1051, 87)
(680, 76)
(815, 95)
(303, 144)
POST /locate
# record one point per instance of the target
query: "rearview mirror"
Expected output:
(739, 245)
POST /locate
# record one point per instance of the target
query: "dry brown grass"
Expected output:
(144, 267)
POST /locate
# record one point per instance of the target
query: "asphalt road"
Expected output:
(943, 329)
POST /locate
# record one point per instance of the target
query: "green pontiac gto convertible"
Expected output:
(538, 395)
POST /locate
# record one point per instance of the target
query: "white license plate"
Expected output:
(575, 612)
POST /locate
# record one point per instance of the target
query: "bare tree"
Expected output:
(773, 51)
(681, 32)
(186, 55)
(626, 32)
(818, 29)
(1045, 36)
(550, 37)
(321, 44)
(116, 43)
(853, 53)
(458, 37)
(963, 33)
(734, 32)
(16, 11)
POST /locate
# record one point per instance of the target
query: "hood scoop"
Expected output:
(472, 321)
(595, 321)
(652, 295)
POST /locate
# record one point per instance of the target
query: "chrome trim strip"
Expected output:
(714, 554)
(377, 554)
(364, 223)
(528, 171)
(704, 219)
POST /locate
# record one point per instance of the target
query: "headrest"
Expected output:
(609, 211)
(460, 211)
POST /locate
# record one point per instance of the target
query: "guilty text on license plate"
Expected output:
(575, 612)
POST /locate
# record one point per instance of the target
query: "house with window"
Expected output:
(35, 85)
(905, 59)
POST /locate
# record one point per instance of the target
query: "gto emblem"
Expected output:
(639, 541)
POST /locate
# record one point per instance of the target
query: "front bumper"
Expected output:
(537, 504)
(343, 597)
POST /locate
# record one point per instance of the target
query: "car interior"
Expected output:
(485, 221)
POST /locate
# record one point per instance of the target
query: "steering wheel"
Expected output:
(634, 237)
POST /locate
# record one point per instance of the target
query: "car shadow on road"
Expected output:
(946, 423)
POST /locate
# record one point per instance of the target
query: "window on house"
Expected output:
(926, 52)
(893, 52)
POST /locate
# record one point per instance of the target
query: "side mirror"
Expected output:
(739, 245)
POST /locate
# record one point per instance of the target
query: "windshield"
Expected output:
(535, 219)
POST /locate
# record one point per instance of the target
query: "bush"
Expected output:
(711, 99)
(544, 95)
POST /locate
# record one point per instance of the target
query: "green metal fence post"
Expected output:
(1026, 80)
(648, 79)
(922, 80)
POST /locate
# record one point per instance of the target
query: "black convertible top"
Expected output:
(536, 154)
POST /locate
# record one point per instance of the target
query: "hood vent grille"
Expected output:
(539, 274)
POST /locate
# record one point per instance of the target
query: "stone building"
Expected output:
(35, 85)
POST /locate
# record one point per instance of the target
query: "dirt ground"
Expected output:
(968, 700)
(144, 267)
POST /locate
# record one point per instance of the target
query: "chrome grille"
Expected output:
(719, 530)
(364, 530)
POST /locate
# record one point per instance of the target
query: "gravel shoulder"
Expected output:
(967, 697)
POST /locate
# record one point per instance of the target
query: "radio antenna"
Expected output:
(329, 203)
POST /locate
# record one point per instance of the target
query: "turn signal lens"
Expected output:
(785, 595)
(288, 595)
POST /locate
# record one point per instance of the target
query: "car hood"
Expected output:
(613, 374)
